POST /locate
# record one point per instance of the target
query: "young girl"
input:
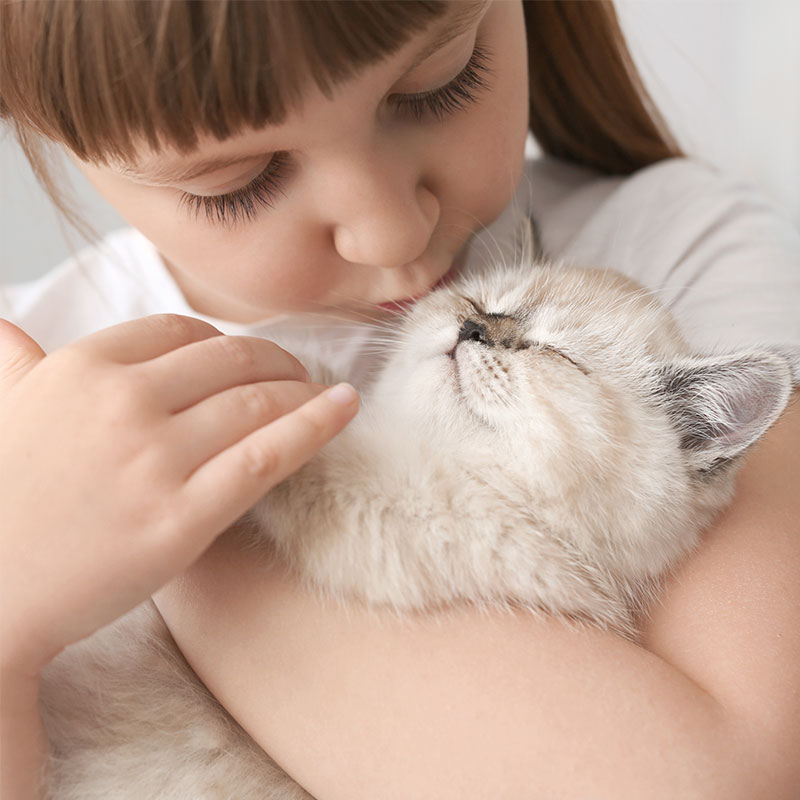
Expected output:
(292, 168)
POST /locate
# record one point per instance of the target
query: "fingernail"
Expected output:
(342, 394)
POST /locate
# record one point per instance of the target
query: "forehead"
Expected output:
(172, 165)
(460, 17)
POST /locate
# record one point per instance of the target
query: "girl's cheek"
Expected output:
(494, 167)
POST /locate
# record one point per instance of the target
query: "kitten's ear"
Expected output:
(529, 241)
(720, 406)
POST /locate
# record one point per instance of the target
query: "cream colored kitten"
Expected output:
(538, 435)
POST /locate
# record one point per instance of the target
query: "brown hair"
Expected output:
(101, 77)
(587, 101)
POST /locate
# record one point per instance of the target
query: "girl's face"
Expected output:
(352, 202)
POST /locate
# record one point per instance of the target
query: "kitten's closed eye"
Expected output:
(505, 331)
(548, 348)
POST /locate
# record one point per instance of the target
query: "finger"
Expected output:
(193, 373)
(224, 488)
(19, 354)
(148, 337)
(206, 429)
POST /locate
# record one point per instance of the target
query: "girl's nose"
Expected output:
(381, 225)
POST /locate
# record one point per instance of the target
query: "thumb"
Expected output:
(18, 352)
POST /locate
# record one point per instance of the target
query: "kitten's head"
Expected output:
(572, 378)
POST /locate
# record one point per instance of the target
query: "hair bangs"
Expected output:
(104, 78)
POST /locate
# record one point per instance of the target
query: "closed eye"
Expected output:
(548, 348)
(460, 92)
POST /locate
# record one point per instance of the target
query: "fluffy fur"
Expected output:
(538, 436)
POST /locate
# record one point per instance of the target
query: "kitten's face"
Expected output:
(532, 355)
(574, 374)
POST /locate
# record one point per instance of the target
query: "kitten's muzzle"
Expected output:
(473, 332)
(495, 330)
(501, 330)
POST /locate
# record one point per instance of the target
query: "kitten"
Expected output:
(540, 436)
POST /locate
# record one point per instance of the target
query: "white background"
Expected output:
(726, 74)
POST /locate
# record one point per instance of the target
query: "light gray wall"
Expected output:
(725, 72)
(33, 236)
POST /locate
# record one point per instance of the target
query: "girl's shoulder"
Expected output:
(720, 255)
(586, 215)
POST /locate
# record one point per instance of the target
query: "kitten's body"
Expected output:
(538, 436)
(548, 472)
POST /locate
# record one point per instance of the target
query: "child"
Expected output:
(293, 167)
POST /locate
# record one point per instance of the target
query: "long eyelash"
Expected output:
(459, 93)
(242, 204)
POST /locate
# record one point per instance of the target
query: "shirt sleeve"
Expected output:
(722, 258)
(55, 308)
(109, 282)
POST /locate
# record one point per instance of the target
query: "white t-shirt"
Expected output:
(720, 257)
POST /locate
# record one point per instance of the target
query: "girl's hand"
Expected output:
(123, 456)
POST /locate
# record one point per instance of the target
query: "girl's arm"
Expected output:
(463, 704)
(23, 746)
(102, 502)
